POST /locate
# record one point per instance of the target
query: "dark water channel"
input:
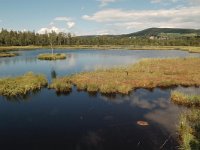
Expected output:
(81, 121)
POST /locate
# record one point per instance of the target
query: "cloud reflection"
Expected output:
(155, 105)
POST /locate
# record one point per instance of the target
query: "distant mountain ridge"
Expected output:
(158, 31)
(151, 32)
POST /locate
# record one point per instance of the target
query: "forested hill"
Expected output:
(152, 36)
(158, 31)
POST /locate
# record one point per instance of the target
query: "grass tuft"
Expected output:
(4, 54)
(184, 99)
(189, 130)
(51, 56)
(22, 85)
(148, 73)
(61, 85)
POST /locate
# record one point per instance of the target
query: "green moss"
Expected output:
(51, 56)
(21, 85)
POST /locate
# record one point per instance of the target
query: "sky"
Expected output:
(98, 17)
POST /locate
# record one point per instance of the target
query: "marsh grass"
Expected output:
(148, 73)
(189, 130)
(191, 49)
(185, 99)
(21, 85)
(5, 54)
(61, 85)
(49, 56)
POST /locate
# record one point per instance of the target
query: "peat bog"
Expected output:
(143, 119)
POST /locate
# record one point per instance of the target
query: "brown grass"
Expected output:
(61, 85)
(191, 49)
(49, 56)
(189, 132)
(185, 99)
(148, 73)
(21, 85)
(7, 54)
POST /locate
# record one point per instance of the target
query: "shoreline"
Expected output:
(190, 49)
(147, 74)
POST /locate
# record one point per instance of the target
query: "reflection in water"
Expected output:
(70, 62)
(78, 60)
(63, 93)
(17, 59)
(93, 94)
(53, 74)
(22, 98)
(156, 105)
(189, 90)
(81, 120)
(92, 140)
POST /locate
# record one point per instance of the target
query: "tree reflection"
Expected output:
(53, 73)
(63, 93)
(21, 98)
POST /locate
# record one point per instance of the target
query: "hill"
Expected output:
(159, 31)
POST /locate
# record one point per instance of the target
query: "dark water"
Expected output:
(80, 121)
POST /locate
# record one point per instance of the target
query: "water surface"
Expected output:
(82, 121)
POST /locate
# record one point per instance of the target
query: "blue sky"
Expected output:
(86, 17)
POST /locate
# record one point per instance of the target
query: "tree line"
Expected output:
(19, 38)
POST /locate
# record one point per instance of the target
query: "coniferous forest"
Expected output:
(19, 38)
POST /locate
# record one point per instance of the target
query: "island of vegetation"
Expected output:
(185, 99)
(22, 85)
(5, 54)
(148, 73)
(61, 85)
(49, 56)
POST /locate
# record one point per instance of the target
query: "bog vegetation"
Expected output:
(185, 99)
(148, 73)
(189, 132)
(49, 56)
(4, 54)
(189, 123)
(61, 85)
(21, 85)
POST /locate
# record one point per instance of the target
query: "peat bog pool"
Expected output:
(82, 121)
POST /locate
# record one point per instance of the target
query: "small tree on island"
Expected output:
(52, 40)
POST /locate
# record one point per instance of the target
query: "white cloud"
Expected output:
(50, 29)
(51, 23)
(159, 1)
(105, 2)
(54, 26)
(62, 19)
(194, 2)
(69, 21)
(71, 24)
(0, 20)
(190, 2)
(183, 17)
